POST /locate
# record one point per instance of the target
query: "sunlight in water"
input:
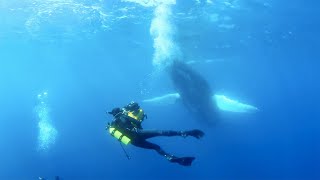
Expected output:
(65, 18)
(47, 133)
(151, 3)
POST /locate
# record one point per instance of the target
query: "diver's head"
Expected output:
(115, 111)
(132, 106)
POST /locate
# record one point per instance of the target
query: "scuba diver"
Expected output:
(56, 178)
(126, 127)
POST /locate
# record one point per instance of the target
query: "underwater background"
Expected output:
(65, 63)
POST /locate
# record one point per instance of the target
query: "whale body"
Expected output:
(194, 91)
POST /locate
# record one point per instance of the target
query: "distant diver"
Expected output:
(194, 91)
(55, 178)
(126, 127)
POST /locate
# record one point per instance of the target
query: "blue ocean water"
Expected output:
(64, 63)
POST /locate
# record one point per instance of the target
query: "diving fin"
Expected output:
(184, 161)
(195, 133)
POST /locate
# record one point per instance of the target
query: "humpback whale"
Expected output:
(194, 91)
(196, 94)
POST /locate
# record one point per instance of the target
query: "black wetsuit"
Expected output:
(139, 136)
(133, 129)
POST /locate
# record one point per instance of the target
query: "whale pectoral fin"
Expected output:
(225, 103)
(166, 99)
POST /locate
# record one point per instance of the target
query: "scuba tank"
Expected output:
(118, 135)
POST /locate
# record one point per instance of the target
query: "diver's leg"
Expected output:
(148, 145)
(145, 134)
(185, 161)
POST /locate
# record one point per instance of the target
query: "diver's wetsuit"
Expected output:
(139, 136)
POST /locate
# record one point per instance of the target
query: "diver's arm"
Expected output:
(125, 118)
